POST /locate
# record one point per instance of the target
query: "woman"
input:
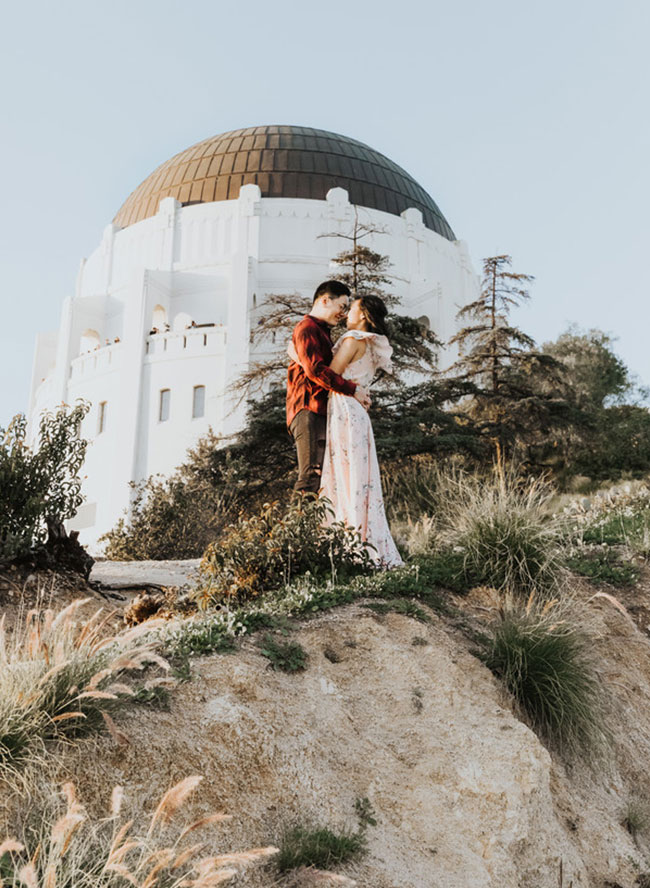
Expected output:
(351, 479)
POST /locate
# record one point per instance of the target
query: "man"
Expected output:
(310, 381)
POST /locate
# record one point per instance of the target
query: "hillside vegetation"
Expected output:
(479, 716)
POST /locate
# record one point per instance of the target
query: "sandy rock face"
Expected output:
(462, 790)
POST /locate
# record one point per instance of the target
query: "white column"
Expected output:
(414, 229)
(106, 247)
(63, 353)
(243, 283)
(127, 410)
(168, 215)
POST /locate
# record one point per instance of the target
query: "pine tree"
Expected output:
(365, 271)
(501, 361)
(362, 269)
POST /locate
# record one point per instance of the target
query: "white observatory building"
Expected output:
(161, 318)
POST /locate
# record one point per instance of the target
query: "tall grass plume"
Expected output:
(60, 676)
(72, 849)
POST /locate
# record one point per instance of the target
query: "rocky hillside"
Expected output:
(401, 713)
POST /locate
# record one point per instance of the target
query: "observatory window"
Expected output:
(163, 410)
(101, 417)
(198, 402)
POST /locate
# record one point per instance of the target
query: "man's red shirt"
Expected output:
(310, 381)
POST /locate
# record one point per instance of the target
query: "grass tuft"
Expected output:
(285, 656)
(399, 606)
(491, 531)
(636, 817)
(546, 661)
(320, 848)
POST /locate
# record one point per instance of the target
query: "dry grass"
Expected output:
(502, 526)
(60, 676)
(68, 849)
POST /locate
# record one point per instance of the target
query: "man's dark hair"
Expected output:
(335, 289)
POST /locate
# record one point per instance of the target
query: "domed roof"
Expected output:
(285, 161)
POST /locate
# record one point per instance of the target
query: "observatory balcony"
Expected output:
(192, 341)
(101, 360)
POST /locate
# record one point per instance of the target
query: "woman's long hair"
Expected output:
(374, 311)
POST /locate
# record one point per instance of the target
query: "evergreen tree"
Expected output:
(362, 269)
(365, 272)
(501, 362)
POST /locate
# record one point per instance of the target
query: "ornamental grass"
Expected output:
(60, 676)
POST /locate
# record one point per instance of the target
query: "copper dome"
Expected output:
(285, 161)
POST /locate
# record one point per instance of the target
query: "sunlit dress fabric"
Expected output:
(351, 479)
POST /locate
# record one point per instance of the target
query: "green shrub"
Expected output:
(41, 487)
(320, 848)
(283, 541)
(601, 564)
(399, 606)
(285, 656)
(176, 517)
(446, 568)
(546, 661)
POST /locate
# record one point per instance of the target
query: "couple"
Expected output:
(327, 404)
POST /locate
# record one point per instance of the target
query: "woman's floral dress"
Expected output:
(351, 479)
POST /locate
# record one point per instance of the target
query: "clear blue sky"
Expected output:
(527, 122)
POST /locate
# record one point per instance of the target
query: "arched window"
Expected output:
(163, 408)
(159, 319)
(89, 341)
(198, 402)
(101, 417)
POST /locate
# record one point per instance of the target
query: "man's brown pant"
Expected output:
(308, 430)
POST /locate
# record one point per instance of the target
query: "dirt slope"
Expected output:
(465, 794)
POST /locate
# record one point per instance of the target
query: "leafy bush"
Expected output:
(71, 849)
(546, 661)
(60, 678)
(265, 551)
(618, 443)
(601, 564)
(176, 517)
(286, 656)
(39, 488)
